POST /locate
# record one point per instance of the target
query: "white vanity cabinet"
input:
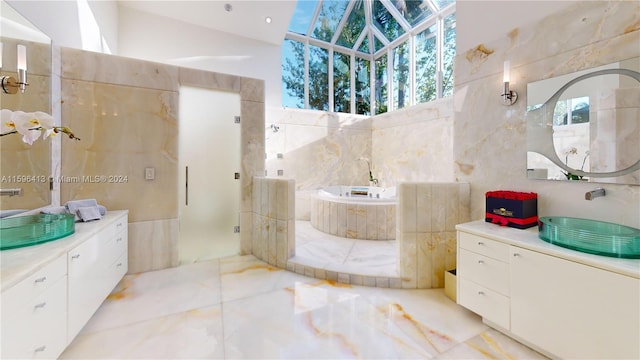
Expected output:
(572, 310)
(34, 314)
(483, 272)
(95, 267)
(563, 303)
(50, 291)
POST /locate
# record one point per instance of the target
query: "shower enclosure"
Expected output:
(208, 188)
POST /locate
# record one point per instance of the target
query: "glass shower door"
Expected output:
(209, 156)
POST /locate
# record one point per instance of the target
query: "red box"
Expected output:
(512, 208)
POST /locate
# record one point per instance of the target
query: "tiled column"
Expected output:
(273, 233)
(426, 234)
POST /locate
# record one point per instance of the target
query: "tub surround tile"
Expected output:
(273, 230)
(353, 220)
(426, 240)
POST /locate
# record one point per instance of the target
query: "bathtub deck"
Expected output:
(316, 250)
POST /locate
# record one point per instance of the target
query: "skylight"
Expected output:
(364, 56)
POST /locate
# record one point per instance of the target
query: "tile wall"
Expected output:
(426, 234)
(274, 236)
(126, 112)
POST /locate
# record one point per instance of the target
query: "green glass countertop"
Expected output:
(21, 231)
(591, 236)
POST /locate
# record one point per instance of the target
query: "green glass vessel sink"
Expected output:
(21, 231)
(591, 236)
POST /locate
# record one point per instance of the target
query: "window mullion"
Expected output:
(306, 74)
(412, 71)
(372, 87)
(352, 83)
(390, 87)
(439, 56)
(330, 75)
(343, 21)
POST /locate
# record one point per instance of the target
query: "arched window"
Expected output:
(368, 56)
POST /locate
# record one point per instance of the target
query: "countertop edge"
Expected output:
(45, 253)
(528, 239)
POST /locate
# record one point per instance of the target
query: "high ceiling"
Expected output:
(245, 18)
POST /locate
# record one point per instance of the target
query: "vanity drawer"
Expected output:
(484, 302)
(484, 246)
(37, 328)
(484, 271)
(35, 284)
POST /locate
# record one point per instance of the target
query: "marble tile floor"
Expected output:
(240, 307)
(320, 250)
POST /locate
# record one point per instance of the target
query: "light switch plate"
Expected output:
(149, 173)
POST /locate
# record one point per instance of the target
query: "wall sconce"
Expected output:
(509, 97)
(9, 84)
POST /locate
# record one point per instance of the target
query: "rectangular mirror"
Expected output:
(585, 126)
(24, 166)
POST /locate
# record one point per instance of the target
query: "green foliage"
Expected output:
(426, 64)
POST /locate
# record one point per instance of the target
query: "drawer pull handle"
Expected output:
(42, 279)
(119, 224)
(516, 254)
(480, 292)
(480, 243)
(480, 261)
(119, 264)
(119, 239)
(40, 349)
(41, 305)
(75, 256)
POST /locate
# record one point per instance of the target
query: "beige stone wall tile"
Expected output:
(424, 207)
(111, 69)
(210, 80)
(252, 89)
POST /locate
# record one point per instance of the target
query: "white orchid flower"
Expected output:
(46, 122)
(6, 117)
(31, 125)
(24, 124)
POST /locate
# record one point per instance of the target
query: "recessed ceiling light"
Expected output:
(228, 7)
(268, 19)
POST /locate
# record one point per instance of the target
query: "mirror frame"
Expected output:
(540, 129)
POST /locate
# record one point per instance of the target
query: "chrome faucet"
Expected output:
(590, 195)
(371, 178)
(11, 192)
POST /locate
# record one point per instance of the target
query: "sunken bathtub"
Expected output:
(355, 212)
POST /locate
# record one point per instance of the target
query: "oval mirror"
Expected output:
(589, 128)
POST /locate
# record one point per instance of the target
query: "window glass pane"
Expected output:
(381, 84)
(341, 83)
(449, 54)
(401, 86)
(413, 10)
(363, 86)
(318, 78)
(378, 44)
(426, 56)
(442, 3)
(302, 16)
(353, 27)
(292, 74)
(364, 46)
(385, 22)
(330, 15)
